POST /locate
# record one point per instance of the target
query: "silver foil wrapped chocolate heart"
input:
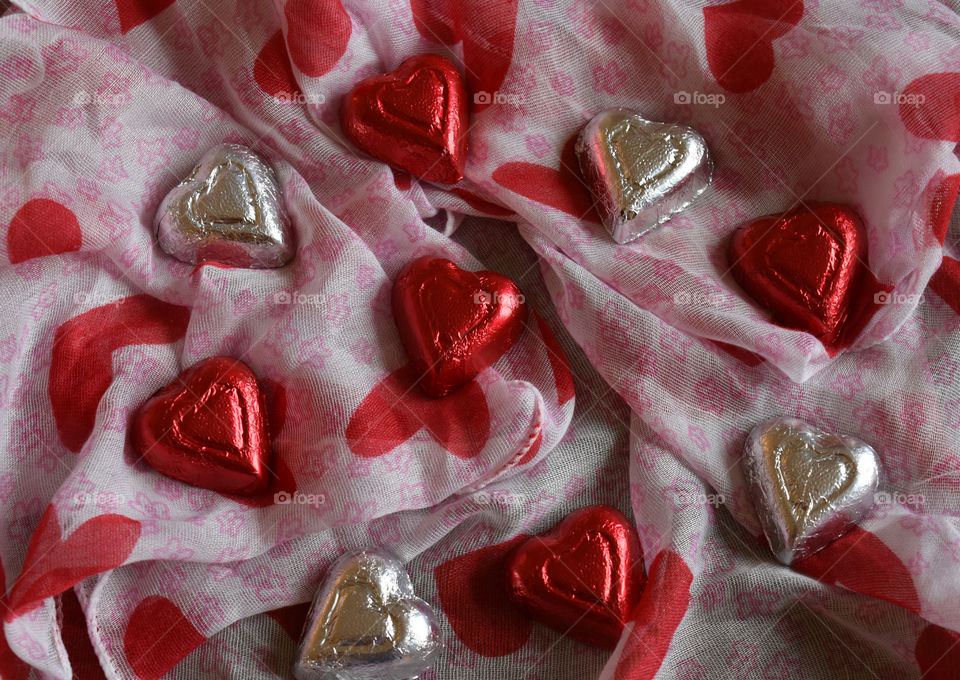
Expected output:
(808, 487)
(641, 172)
(366, 623)
(229, 211)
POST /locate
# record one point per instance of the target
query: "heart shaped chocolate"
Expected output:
(366, 623)
(454, 323)
(641, 172)
(208, 428)
(803, 266)
(583, 578)
(808, 487)
(414, 118)
(229, 211)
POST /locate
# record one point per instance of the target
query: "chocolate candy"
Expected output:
(808, 487)
(414, 119)
(366, 623)
(454, 323)
(803, 266)
(208, 428)
(228, 211)
(583, 578)
(639, 171)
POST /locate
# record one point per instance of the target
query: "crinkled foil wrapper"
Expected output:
(808, 487)
(641, 172)
(366, 623)
(230, 211)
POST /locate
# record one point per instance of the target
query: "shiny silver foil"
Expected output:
(641, 172)
(229, 210)
(808, 487)
(366, 623)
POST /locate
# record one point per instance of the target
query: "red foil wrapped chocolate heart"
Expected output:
(583, 578)
(803, 266)
(208, 428)
(414, 118)
(454, 323)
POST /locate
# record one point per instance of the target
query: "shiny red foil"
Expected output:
(454, 323)
(208, 428)
(583, 578)
(414, 118)
(803, 266)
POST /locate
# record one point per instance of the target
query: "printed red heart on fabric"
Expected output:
(861, 562)
(81, 366)
(930, 106)
(943, 200)
(158, 637)
(12, 667)
(481, 205)
(208, 428)
(808, 268)
(395, 410)
(739, 39)
(938, 653)
(54, 564)
(583, 578)
(454, 323)
(318, 32)
(437, 20)
(414, 118)
(561, 189)
(272, 70)
(945, 282)
(487, 29)
(655, 619)
(42, 227)
(471, 591)
(291, 618)
(76, 639)
(132, 13)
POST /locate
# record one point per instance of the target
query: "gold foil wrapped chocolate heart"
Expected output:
(641, 172)
(366, 623)
(808, 487)
(229, 211)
